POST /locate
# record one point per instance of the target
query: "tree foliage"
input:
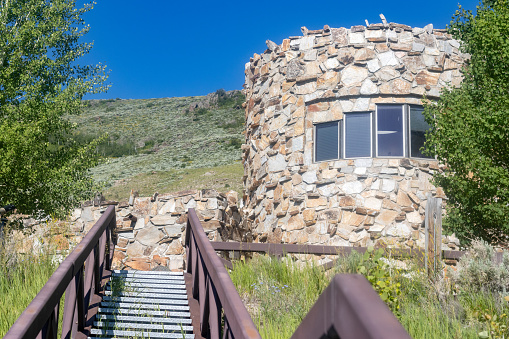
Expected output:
(470, 130)
(42, 169)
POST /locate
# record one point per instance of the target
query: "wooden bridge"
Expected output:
(201, 302)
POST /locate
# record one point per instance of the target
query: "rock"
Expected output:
(277, 163)
(162, 220)
(388, 59)
(368, 87)
(135, 249)
(373, 204)
(386, 217)
(315, 202)
(175, 247)
(87, 215)
(353, 187)
(295, 223)
(339, 35)
(414, 217)
(399, 230)
(138, 265)
(149, 235)
(353, 75)
(294, 69)
(364, 54)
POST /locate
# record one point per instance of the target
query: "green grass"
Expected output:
(21, 278)
(278, 294)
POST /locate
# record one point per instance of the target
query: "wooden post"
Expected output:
(433, 229)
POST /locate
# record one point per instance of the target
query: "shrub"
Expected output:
(477, 269)
(378, 273)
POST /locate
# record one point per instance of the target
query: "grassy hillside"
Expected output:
(153, 144)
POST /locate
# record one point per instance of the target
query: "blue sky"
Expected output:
(167, 48)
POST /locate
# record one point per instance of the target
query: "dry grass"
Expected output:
(221, 178)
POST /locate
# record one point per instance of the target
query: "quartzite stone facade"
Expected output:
(316, 78)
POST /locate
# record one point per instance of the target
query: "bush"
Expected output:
(478, 271)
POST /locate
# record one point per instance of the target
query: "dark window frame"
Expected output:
(342, 125)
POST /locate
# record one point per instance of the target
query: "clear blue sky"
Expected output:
(168, 48)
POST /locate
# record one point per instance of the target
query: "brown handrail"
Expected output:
(283, 249)
(214, 289)
(93, 255)
(350, 308)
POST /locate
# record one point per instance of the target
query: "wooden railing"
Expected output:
(80, 276)
(348, 308)
(218, 299)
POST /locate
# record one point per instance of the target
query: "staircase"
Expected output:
(144, 304)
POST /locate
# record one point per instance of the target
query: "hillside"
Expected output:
(152, 144)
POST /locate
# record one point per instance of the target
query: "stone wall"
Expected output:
(316, 78)
(150, 231)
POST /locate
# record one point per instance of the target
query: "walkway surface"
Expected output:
(144, 304)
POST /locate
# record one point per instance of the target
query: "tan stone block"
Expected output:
(427, 78)
(298, 128)
(403, 199)
(175, 247)
(296, 179)
(319, 106)
(285, 46)
(386, 217)
(414, 197)
(295, 223)
(346, 201)
(315, 202)
(160, 260)
(352, 218)
(278, 193)
(139, 265)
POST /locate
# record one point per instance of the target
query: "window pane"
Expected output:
(418, 128)
(327, 141)
(390, 130)
(357, 135)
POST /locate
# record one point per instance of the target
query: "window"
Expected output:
(327, 141)
(391, 131)
(357, 135)
(418, 128)
(390, 139)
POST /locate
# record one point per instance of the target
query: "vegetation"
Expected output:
(161, 145)
(470, 126)
(26, 264)
(42, 169)
(221, 178)
(278, 294)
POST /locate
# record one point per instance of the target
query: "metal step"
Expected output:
(146, 300)
(151, 320)
(175, 290)
(132, 272)
(137, 286)
(145, 306)
(131, 312)
(140, 334)
(157, 280)
(113, 325)
(173, 295)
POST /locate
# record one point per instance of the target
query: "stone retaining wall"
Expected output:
(150, 231)
(317, 78)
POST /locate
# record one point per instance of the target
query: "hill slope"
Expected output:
(168, 137)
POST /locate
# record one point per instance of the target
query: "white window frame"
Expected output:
(370, 134)
(404, 112)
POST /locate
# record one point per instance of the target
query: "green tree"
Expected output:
(42, 170)
(470, 132)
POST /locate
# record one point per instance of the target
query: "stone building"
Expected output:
(334, 128)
